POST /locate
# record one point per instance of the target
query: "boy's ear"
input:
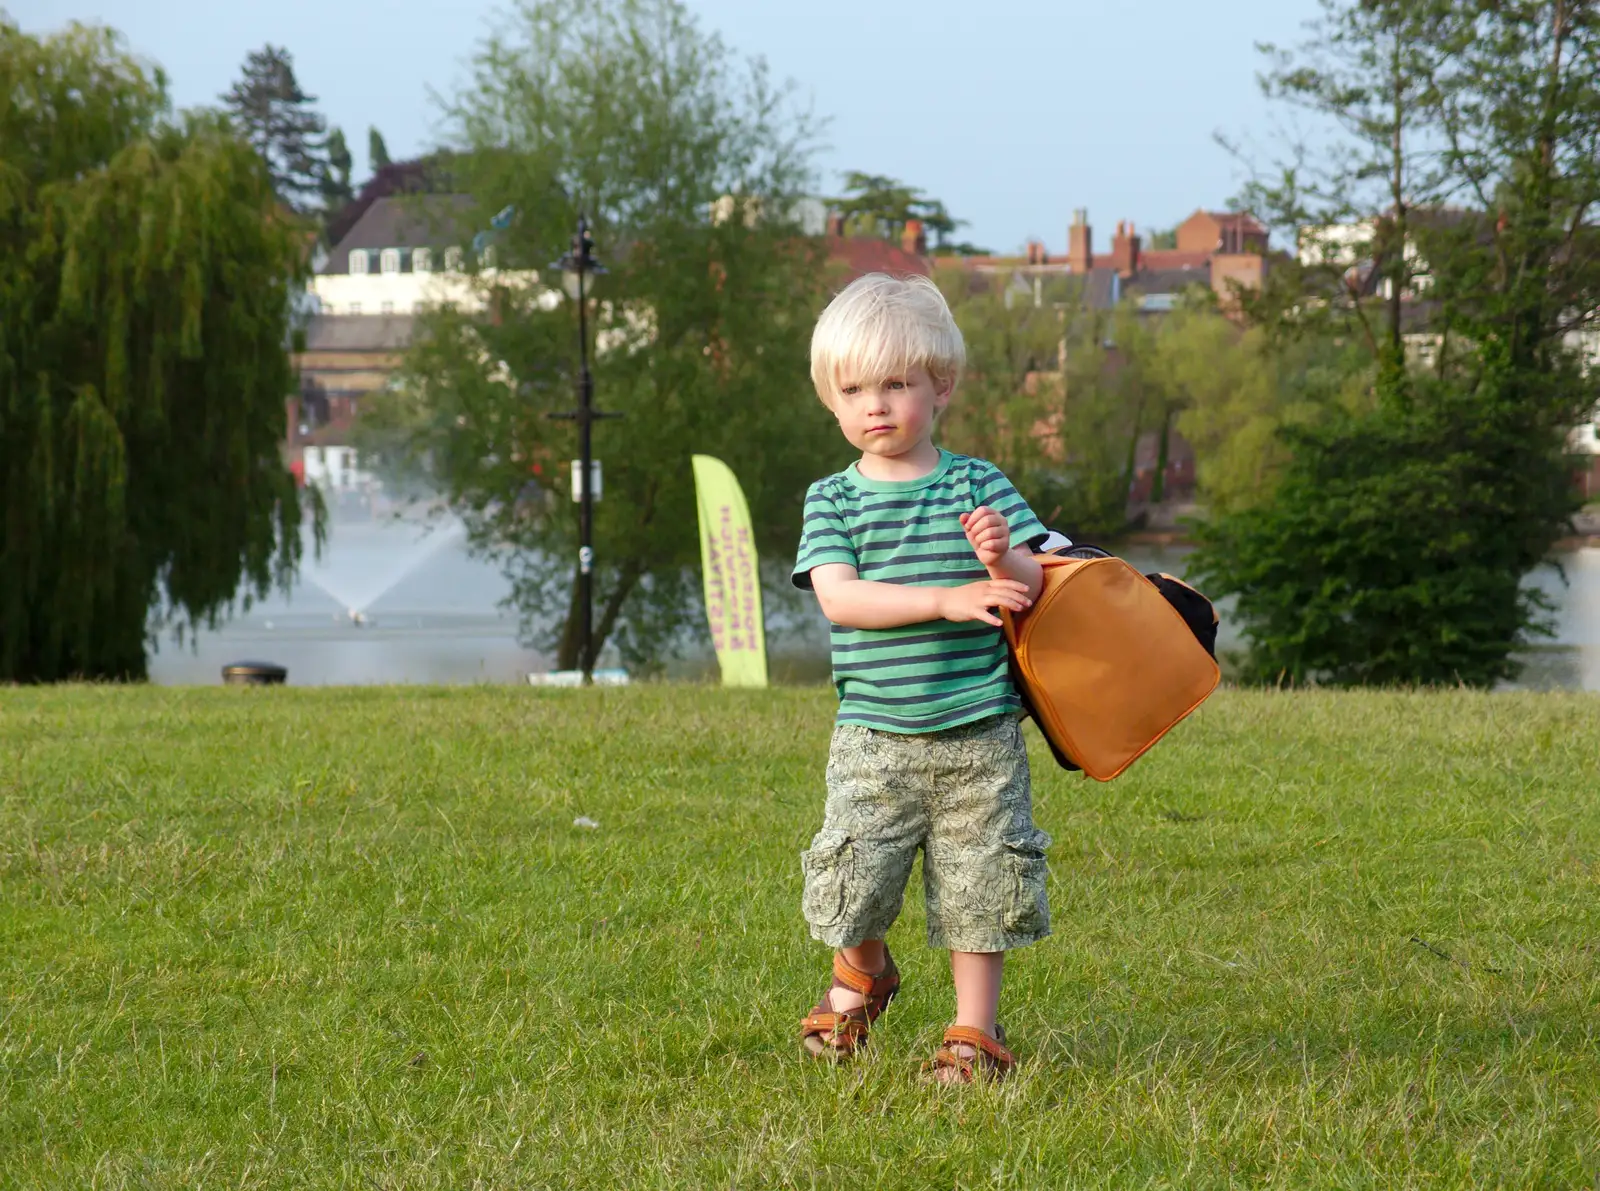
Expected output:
(942, 392)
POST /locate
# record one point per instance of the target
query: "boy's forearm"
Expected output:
(1020, 564)
(866, 604)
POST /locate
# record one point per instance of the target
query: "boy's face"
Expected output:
(891, 418)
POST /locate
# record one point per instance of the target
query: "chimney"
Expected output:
(1080, 242)
(835, 223)
(1037, 254)
(913, 239)
(1125, 250)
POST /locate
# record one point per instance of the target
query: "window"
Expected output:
(421, 261)
(387, 308)
(452, 260)
(355, 308)
(389, 260)
(358, 260)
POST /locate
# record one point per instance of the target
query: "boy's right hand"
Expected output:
(972, 601)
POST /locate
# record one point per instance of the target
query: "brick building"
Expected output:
(1215, 250)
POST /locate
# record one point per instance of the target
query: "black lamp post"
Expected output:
(579, 261)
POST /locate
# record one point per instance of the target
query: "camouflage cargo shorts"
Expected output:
(962, 796)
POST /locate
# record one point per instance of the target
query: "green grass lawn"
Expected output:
(316, 938)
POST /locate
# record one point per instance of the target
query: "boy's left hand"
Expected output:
(989, 534)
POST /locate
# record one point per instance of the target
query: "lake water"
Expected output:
(431, 615)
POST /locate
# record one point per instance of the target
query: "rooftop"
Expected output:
(410, 221)
(865, 254)
(1246, 222)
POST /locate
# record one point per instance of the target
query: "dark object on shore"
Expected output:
(254, 674)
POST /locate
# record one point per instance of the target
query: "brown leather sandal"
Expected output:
(838, 1033)
(990, 1061)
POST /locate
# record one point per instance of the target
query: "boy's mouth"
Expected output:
(879, 429)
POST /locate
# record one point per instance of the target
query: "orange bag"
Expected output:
(1104, 663)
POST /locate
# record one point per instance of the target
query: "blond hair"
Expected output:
(879, 327)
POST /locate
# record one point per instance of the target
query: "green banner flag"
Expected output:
(732, 578)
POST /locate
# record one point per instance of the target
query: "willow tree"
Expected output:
(145, 290)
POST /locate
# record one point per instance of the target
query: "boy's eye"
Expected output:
(850, 390)
(895, 384)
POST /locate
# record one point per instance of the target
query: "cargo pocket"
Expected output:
(827, 865)
(1027, 913)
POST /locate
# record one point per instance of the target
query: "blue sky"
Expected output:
(1013, 112)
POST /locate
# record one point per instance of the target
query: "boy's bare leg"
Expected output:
(866, 956)
(977, 979)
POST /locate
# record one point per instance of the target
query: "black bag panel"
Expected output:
(1199, 613)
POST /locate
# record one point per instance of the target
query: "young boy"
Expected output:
(910, 550)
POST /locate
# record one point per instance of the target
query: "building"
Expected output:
(1215, 250)
(400, 256)
(347, 361)
(405, 254)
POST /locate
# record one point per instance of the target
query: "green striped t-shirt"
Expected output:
(919, 677)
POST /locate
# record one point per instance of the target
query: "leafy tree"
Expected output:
(276, 117)
(1113, 397)
(627, 111)
(1055, 394)
(336, 191)
(377, 151)
(1011, 387)
(1060, 395)
(1393, 548)
(875, 205)
(1417, 535)
(146, 272)
(1231, 391)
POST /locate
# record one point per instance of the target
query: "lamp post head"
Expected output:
(579, 260)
